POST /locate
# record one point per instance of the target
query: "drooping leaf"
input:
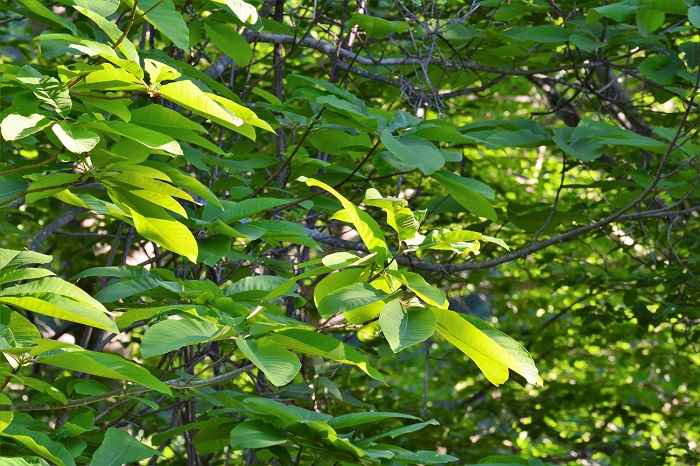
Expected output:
(107, 365)
(229, 42)
(163, 15)
(366, 226)
(318, 344)
(55, 297)
(491, 350)
(279, 365)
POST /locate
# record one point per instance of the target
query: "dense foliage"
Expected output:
(345, 232)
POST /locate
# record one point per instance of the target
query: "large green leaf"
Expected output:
(188, 95)
(424, 290)
(118, 447)
(229, 42)
(256, 434)
(100, 7)
(414, 151)
(158, 117)
(460, 189)
(243, 10)
(366, 226)
(279, 365)
(16, 126)
(55, 297)
(110, 366)
(13, 258)
(318, 344)
(349, 298)
(36, 8)
(491, 350)
(145, 136)
(172, 334)
(406, 326)
(46, 89)
(23, 429)
(17, 334)
(75, 138)
(154, 223)
(163, 15)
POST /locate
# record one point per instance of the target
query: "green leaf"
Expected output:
(660, 68)
(17, 334)
(694, 16)
(22, 430)
(366, 226)
(256, 434)
(244, 209)
(54, 297)
(154, 223)
(493, 351)
(414, 151)
(5, 416)
(349, 298)
(75, 138)
(16, 126)
(462, 190)
(229, 42)
(649, 20)
(173, 334)
(13, 258)
(243, 10)
(53, 179)
(185, 181)
(36, 7)
(378, 28)
(188, 95)
(404, 327)
(279, 365)
(585, 43)
(158, 72)
(356, 419)
(111, 366)
(425, 457)
(100, 7)
(213, 248)
(117, 107)
(145, 136)
(621, 11)
(318, 344)
(46, 89)
(424, 290)
(118, 447)
(163, 15)
(157, 117)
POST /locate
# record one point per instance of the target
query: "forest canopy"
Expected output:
(349, 232)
